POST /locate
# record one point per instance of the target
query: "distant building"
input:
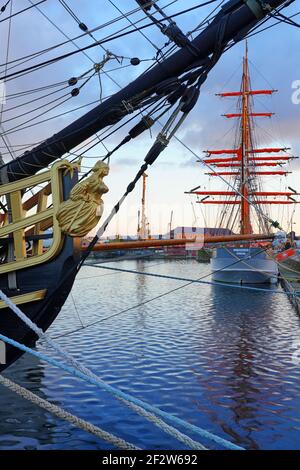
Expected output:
(178, 232)
(190, 232)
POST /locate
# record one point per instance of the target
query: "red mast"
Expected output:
(246, 161)
(245, 147)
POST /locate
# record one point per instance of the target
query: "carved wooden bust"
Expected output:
(81, 213)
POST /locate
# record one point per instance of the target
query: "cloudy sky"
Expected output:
(31, 117)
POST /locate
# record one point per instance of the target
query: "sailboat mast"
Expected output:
(143, 226)
(144, 220)
(245, 147)
(244, 162)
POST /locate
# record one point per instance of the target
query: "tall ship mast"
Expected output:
(143, 231)
(243, 168)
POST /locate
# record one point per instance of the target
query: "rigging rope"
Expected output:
(134, 25)
(187, 102)
(273, 223)
(103, 26)
(90, 46)
(21, 11)
(283, 18)
(108, 54)
(188, 97)
(3, 8)
(35, 99)
(254, 32)
(172, 31)
(3, 133)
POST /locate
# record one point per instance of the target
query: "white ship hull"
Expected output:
(243, 266)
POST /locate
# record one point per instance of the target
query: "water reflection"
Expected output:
(249, 325)
(23, 425)
(220, 358)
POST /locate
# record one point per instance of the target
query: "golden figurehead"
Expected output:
(82, 211)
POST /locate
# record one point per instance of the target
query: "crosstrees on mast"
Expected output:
(245, 161)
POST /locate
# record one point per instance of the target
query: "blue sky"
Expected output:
(274, 57)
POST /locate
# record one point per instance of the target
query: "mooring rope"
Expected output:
(134, 403)
(120, 395)
(142, 408)
(193, 281)
(66, 416)
(160, 296)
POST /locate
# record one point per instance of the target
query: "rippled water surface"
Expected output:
(218, 357)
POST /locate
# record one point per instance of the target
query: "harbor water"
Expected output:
(223, 359)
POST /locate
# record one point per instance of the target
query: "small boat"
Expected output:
(289, 263)
(204, 255)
